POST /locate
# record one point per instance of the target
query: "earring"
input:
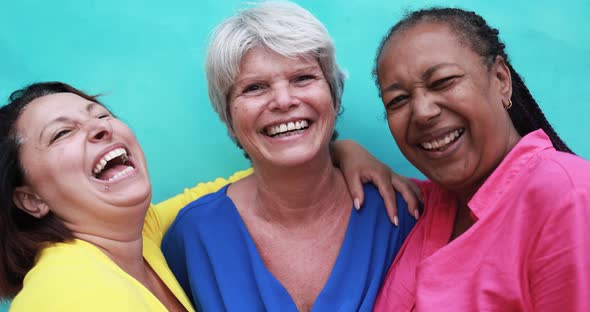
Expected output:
(509, 104)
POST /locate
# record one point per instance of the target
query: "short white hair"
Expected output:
(284, 28)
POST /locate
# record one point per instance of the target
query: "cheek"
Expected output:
(396, 127)
(240, 115)
(51, 176)
(36, 165)
(325, 96)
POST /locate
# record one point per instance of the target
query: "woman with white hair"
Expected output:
(284, 238)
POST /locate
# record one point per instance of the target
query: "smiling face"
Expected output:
(84, 164)
(445, 106)
(281, 108)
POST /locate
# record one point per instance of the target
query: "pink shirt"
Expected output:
(529, 249)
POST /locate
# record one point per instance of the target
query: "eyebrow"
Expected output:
(89, 108)
(425, 76)
(294, 70)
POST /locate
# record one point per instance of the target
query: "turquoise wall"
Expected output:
(146, 57)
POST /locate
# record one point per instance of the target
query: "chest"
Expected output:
(163, 293)
(301, 261)
(485, 268)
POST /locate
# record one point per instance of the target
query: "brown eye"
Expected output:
(396, 102)
(253, 88)
(304, 78)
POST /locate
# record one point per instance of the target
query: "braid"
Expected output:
(473, 30)
(528, 118)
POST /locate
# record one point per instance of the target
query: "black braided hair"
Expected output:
(473, 30)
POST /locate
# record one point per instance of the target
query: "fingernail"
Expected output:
(395, 221)
(416, 214)
(357, 204)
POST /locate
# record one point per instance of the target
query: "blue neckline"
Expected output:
(258, 258)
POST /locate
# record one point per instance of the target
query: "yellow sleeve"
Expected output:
(167, 210)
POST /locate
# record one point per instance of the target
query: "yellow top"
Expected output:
(77, 276)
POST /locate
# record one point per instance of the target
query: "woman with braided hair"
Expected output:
(507, 203)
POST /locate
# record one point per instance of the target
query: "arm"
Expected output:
(560, 262)
(359, 166)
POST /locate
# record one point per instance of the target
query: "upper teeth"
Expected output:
(438, 143)
(107, 157)
(284, 127)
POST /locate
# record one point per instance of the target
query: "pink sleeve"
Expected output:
(560, 262)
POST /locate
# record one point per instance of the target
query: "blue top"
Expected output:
(215, 260)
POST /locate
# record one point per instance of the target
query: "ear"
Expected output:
(30, 202)
(501, 73)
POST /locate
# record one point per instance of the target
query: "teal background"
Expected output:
(146, 57)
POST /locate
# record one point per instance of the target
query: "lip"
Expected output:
(105, 151)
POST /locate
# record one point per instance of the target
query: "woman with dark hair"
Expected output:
(507, 204)
(77, 231)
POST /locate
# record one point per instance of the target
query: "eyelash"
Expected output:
(304, 78)
(59, 135)
(395, 102)
(443, 82)
(252, 88)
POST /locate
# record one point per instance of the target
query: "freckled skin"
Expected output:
(296, 205)
(272, 88)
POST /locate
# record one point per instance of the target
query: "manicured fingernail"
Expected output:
(416, 214)
(357, 204)
(395, 221)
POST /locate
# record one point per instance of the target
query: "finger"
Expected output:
(355, 187)
(388, 194)
(404, 187)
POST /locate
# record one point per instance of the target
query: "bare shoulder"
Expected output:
(242, 190)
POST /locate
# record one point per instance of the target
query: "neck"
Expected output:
(122, 243)
(300, 194)
(464, 193)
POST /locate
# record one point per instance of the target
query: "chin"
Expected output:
(133, 195)
(293, 156)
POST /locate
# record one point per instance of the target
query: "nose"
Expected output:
(282, 98)
(425, 109)
(99, 130)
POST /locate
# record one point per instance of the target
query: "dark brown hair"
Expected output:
(21, 235)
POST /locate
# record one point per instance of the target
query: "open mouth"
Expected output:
(287, 129)
(440, 144)
(113, 165)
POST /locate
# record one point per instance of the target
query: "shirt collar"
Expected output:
(501, 179)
